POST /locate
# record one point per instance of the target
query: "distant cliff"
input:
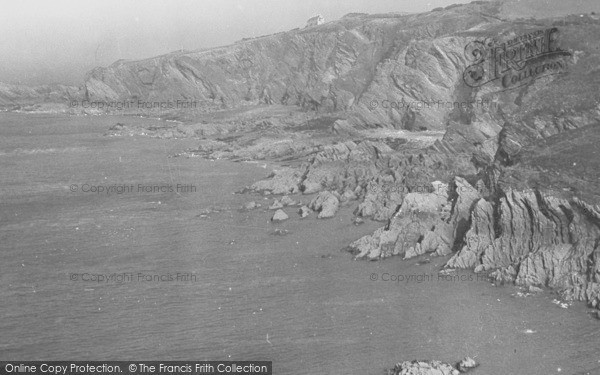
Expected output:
(380, 70)
(345, 65)
(15, 97)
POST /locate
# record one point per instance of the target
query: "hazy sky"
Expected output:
(58, 41)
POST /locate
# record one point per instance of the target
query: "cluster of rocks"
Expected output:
(325, 203)
(417, 367)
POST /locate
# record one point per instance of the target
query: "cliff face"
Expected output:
(351, 65)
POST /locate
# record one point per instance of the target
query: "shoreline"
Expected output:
(360, 279)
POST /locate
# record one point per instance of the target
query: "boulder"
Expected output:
(326, 203)
(279, 215)
(304, 211)
(466, 364)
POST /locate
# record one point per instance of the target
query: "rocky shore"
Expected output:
(355, 112)
(508, 188)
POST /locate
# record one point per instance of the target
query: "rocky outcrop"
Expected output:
(534, 239)
(425, 223)
(526, 237)
(530, 237)
(282, 181)
(315, 21)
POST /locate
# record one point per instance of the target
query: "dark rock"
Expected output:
(304, 211)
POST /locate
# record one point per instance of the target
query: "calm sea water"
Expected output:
(243, 293)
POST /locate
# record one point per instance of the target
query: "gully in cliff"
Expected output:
(515, 62)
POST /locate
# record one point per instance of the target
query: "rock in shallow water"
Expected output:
(423, 368)
(326, 203)
(280, 215)
(304, 211)
(466, 364)
(432, 367)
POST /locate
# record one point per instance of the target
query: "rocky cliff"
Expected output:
(396, 71)
(510, 188)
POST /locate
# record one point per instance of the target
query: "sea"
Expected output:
(114, 249)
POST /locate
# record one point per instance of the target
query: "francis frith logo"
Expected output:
(515, 62)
